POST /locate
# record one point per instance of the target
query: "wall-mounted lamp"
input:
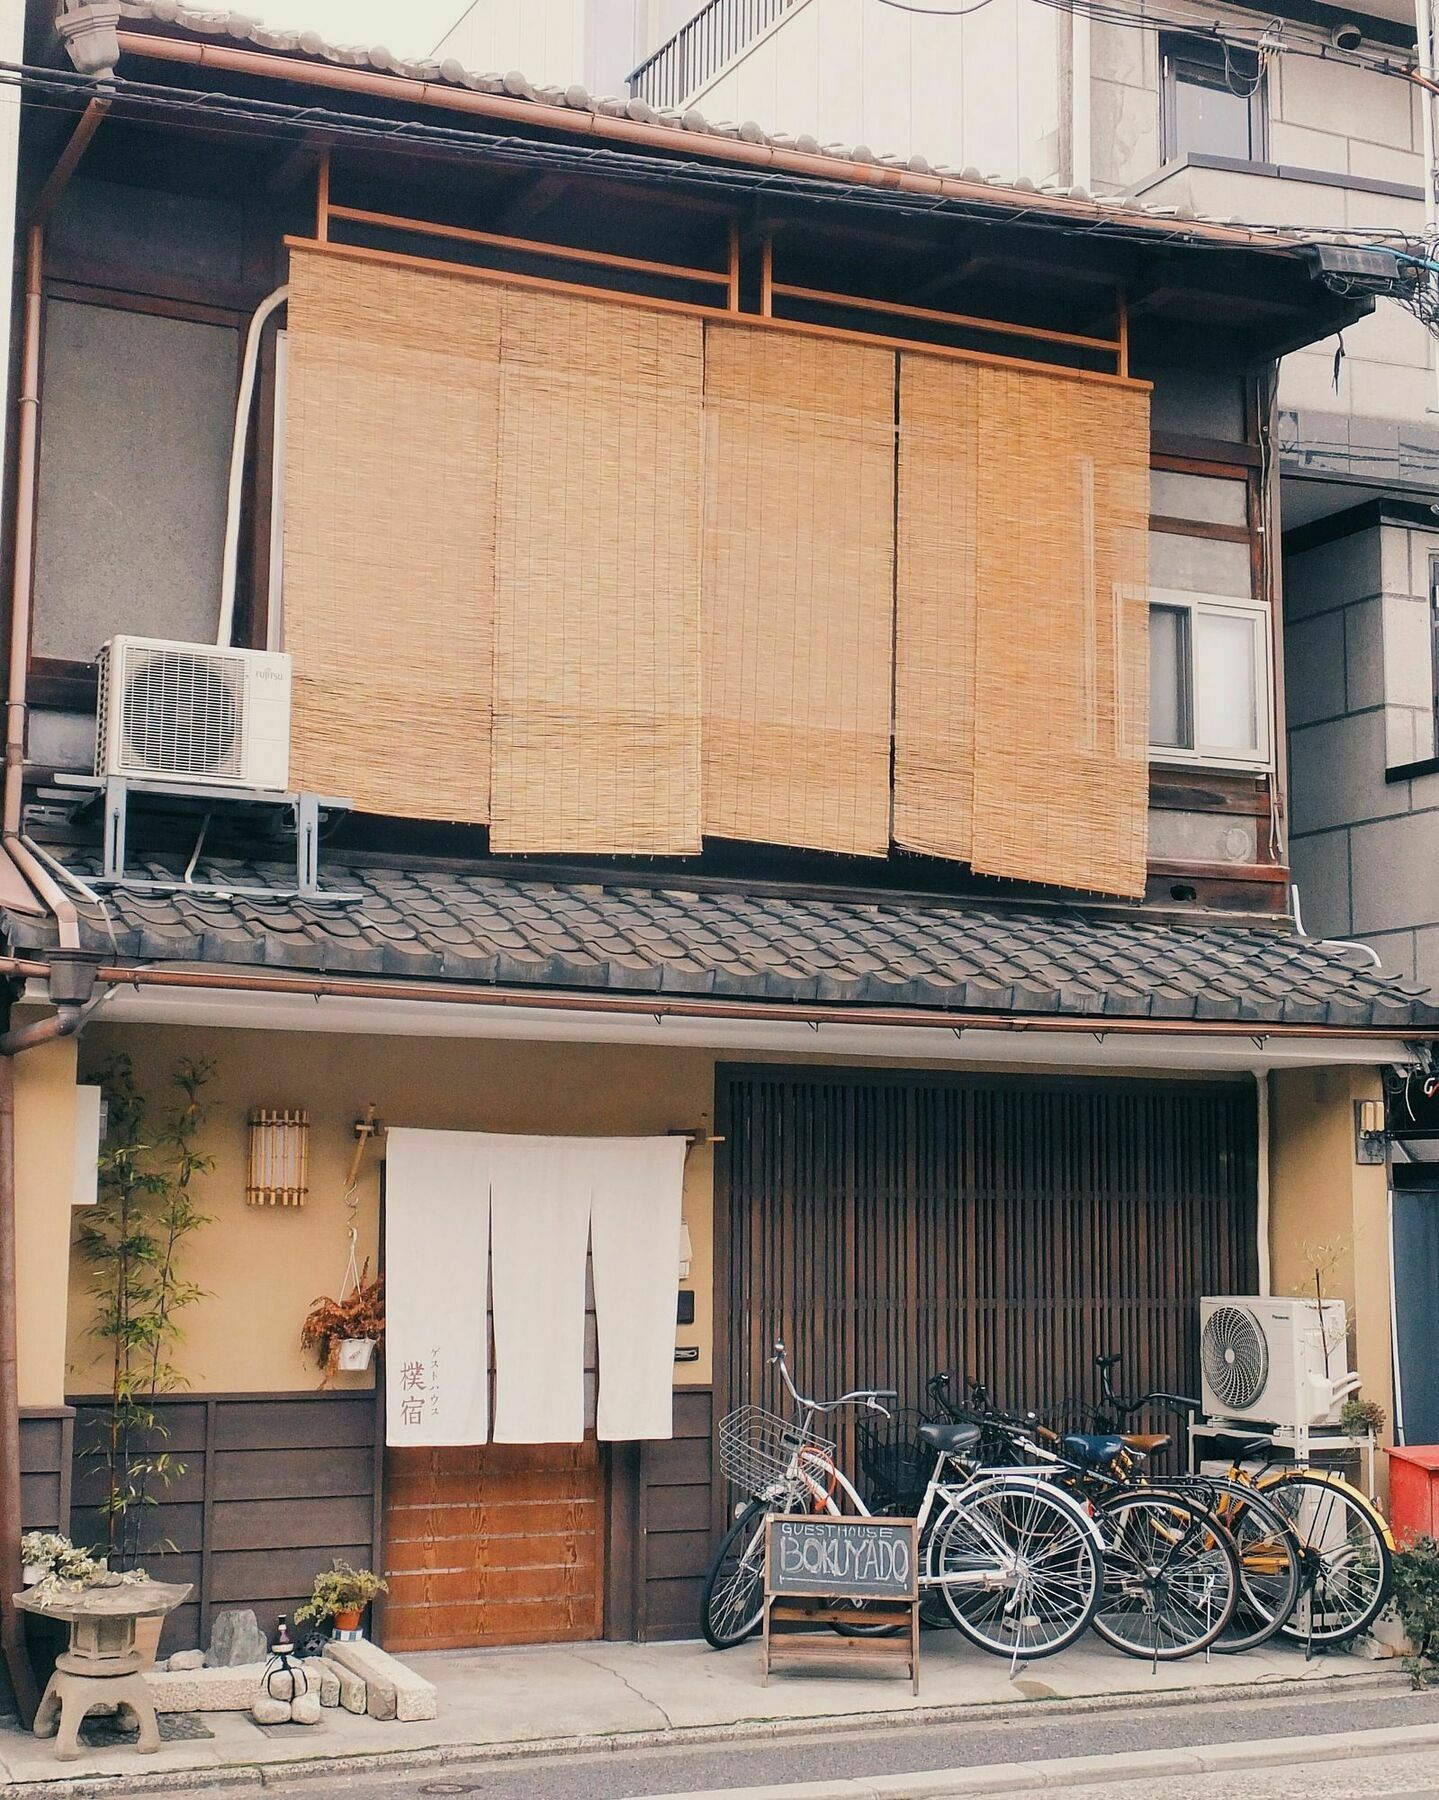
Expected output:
(1371, 1138)
(279, 1158)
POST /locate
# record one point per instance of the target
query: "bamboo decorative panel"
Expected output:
(938, 539)
(597, 662)
(390, 448)
(1022, 635)
(798, 594)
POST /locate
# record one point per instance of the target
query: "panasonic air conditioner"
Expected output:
(193, 714)
(1275, 1361)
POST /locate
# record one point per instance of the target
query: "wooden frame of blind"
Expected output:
(328, 212)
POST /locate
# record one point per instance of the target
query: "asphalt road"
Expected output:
(837, 1754)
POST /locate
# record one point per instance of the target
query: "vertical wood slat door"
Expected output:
(495, 1544)
(887, 1227)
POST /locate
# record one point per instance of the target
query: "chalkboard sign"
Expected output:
(842, 1558)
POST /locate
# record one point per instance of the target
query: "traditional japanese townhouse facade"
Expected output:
(721, 706)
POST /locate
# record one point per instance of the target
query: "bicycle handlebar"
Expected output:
(869, 1397)
(1156, 1397)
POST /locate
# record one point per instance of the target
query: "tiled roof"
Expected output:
(245, 28)
(451, 923)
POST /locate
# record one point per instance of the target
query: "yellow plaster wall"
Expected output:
(44, 1185)
(1319, 1196)
(263, 1267)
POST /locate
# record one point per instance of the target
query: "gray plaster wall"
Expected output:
(134, 455)
(1359, 685)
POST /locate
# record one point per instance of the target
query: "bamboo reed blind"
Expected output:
(798, 590)
(938, 540)
(1022, 635)
(608, 579)
(390, 447)
(597, 664)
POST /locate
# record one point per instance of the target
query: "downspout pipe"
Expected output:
(72, 991)
(69, 996)
(26, 487)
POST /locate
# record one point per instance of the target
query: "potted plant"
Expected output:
(48, 1554)
(340, 1594)
(344, 1332)
(1360, 1418)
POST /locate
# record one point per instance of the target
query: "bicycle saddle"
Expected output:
(1094, 1447)
(1146, 1442)
(950, 1440)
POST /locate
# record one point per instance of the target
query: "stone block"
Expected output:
(306, 1710)
(326, 1681)
(204, 1690)
(391, 1690)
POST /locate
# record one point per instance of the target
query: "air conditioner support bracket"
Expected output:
(114, 792)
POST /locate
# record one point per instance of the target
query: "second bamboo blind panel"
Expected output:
(938, 542)
(1061, 773)
(597, 663)
(798, 590)
(390, 443)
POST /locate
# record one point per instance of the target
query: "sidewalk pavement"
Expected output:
(598, 1696)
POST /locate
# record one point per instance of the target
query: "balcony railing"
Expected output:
(697, 50)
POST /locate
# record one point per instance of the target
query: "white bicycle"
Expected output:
(1018, 1562)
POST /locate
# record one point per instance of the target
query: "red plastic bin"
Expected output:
(1414, 1491)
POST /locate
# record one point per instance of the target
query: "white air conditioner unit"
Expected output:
(194, 714)
(1274, 1361)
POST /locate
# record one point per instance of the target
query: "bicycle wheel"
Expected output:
(1037, 1554)
(1270, 1558)
(732, 1599)
(1171, 1576)
(1346, 1566)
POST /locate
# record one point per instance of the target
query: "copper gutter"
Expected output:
(67, 1018)
(315, 987)
(403, 90)
(26, 481)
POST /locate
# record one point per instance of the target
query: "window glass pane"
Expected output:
(1169, 677)
(1209, 117)
(1226, 682)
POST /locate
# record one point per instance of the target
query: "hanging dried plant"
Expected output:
(358, 1314)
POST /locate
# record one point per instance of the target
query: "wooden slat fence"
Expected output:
(269, 1489)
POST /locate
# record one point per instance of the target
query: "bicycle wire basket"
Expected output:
(895, 1460)
(757, 1448)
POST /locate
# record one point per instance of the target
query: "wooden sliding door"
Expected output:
(887, 1226)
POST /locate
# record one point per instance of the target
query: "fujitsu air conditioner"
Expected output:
(193, 714)
(1274, 1361)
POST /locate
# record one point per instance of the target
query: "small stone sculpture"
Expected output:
(235, 1639)
(285, 1695)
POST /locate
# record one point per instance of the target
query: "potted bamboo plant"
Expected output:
(344, 1332)
(339, 1596)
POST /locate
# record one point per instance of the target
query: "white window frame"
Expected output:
(1257, 614)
